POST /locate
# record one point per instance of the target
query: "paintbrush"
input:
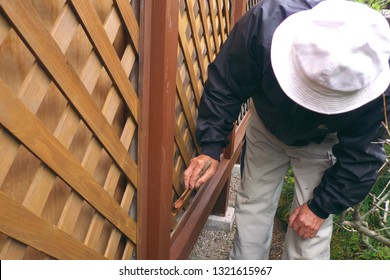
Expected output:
(179, 202)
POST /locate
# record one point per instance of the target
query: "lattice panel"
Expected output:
(203, 27)
(251, 3)
(68, 135)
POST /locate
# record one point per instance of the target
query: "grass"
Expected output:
(345, 245)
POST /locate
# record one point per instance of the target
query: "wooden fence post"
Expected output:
(159, 44)
(238, 10)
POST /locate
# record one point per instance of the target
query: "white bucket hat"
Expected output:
(334, 57)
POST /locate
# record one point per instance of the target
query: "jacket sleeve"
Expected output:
(360, 154)
(232, 77)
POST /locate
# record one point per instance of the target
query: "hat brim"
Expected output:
(300, 91)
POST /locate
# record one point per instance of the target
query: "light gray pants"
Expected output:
(266, 163)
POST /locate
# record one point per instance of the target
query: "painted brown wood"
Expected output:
(159, 51)
(185, 234)
(238, 10)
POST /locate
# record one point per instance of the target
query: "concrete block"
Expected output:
(236, 169)
(221, 223)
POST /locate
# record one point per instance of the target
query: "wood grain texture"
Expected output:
(39, 40)
(98, 36)
(30, 131)
(20, 223)
(130, 21)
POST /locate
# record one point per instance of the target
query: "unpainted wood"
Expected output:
(95, 30)
(31, 229)
(130, 21)
(45, 187)
(23, 124)
(39, 40)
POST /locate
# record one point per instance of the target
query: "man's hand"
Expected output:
(192, 178)
(305, 222)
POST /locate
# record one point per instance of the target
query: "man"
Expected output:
(317, 74)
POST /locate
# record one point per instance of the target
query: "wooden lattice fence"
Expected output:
(98, 103)
(203, 27)
(69, 115)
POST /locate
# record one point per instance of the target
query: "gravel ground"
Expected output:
(216, 244)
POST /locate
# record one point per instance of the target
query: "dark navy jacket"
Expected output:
(243, 69)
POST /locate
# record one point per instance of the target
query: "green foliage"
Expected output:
(286, 197)
(345, 245)
(375, 4)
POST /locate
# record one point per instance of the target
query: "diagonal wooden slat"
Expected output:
(227, 15)
(176, 177)
(98, 36)
(44, 179)
(188, 62)
(182, 146)
(115, 234)
(20, 223)
(39, 40)
(221, 22)
(31, 132)
(195, 36)
(75, 203)
(206, 34)
(130, 21)
(214, 25)
(186, 109)
(110, 186)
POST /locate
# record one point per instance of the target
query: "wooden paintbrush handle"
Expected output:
(179, 203)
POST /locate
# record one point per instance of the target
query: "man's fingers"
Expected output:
(200, 170)
(292, 218)
(187, 176)
(204, 178)
(195, 174)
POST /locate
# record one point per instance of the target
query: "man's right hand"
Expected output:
(192, 178)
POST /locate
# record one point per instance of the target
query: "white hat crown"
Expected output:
(337, 55)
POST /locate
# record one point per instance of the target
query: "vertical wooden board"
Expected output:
(103, 8)
(20, 175)
(102, 167)
(4, 29)
(85, 216)
(120, 120)
(80, 141)
(48, 10)
(65, 28)
(52, 108)
(79, 50)
(104, 237)
(16, 61)
(8, 149)
(56, 201)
